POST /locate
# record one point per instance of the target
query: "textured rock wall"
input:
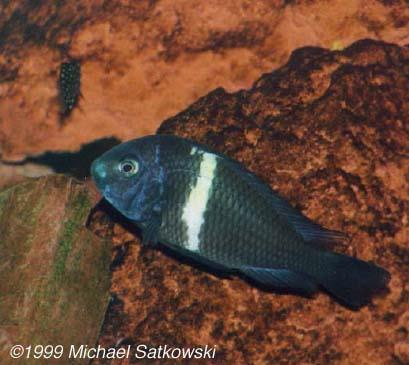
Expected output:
(330, 132)
(144, 61)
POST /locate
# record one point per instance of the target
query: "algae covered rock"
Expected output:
(54, 273)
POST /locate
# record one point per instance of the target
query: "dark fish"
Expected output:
(210, 207)
(69, 86)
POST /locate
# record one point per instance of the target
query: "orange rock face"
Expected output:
(144, 61)
(330, 132)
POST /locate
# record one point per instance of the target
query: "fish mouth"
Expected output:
(99, 174)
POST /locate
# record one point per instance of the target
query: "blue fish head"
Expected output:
(130, 177)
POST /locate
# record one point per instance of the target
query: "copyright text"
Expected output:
(140, 351)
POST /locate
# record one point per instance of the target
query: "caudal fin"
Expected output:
(351, 280)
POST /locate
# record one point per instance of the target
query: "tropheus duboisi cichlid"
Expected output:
(210, 207)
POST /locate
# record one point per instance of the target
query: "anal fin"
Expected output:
(281, 279)
(150, 231)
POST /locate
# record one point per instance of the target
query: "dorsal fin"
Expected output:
(310, 231)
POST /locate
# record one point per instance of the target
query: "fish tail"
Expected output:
(351, 280)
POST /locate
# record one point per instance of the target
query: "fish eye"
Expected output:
(128, 167)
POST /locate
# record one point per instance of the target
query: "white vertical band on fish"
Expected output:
(195, 207)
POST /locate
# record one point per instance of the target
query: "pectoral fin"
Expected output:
(150, 230)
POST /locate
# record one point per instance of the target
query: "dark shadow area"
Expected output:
(110, 217)
(76, 164)
(114, 217)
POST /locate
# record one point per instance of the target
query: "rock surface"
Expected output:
(54, 272)
(330, 132)
(144, 61)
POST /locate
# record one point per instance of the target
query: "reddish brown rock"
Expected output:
(330, 132)
(144, 61)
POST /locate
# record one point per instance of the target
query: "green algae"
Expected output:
(79, 210)
(56, 272)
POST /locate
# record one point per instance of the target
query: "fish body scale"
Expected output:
(239, 226)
